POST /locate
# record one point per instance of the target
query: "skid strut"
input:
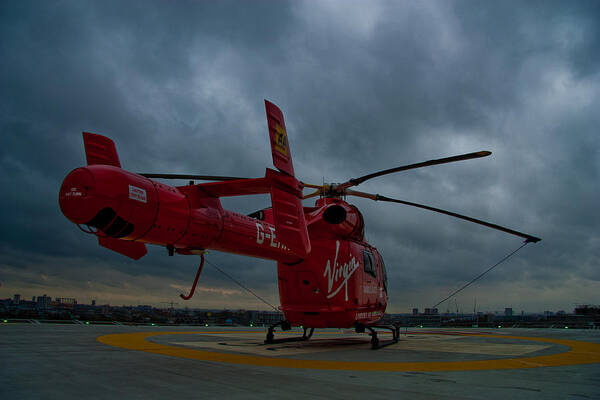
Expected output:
(375, 343)
(286, 326)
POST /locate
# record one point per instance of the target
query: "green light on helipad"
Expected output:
(205, 324)
(153, 324)
(5, 321)
(87, 322)
(566, 327)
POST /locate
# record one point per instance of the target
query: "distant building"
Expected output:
(44, 301)
(431, 311)
(93, 303)
(415, 311)
(508, 312)
(264, 317)
(16, 299)
(66, 300)
(586, 309)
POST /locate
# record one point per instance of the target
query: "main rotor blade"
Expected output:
(462, 157)
(377, 197)
(313, 194)
(192, 177)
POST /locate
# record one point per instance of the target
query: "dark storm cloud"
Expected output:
(363, 86)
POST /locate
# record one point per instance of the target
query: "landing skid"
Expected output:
(375, 342)
(286, 326)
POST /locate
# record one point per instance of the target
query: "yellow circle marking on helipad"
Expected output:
(579, 353)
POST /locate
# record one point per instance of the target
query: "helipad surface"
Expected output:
(74, 361)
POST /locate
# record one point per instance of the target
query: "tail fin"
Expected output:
(286, 190)
(280, 148)
(100, 150)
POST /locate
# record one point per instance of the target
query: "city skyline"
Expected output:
(171, 304)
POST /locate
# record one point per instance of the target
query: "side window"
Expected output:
(369, 263)
(383, 274)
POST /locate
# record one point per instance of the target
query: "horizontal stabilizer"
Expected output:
(100, 150)
(135, 250)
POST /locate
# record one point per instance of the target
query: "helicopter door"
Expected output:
(369, 281)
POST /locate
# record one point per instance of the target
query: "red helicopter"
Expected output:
(328, 275)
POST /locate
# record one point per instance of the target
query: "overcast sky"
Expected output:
(364, 86)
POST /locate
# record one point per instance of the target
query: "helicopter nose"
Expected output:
(76, 197)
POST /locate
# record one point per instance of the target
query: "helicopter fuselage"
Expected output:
(339, 284)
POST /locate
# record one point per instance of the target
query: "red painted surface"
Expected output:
(280, 147)
(100, 150)
(322, 259)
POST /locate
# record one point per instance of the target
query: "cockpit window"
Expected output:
(369, 263)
